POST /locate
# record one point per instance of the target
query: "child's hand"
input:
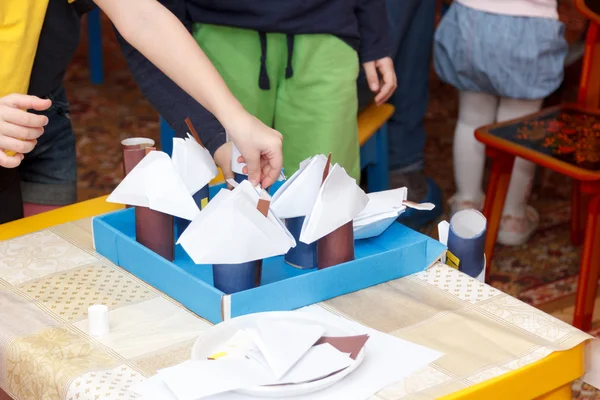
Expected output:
(261, 148)
(223, 160)
(19, 129)
(388, 84)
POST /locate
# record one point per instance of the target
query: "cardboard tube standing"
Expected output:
(338, 246)
(153, 229)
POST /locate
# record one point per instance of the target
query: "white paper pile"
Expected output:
(231, 230)
(387, 360)
(273, 353)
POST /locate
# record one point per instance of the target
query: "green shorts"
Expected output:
(314, 109)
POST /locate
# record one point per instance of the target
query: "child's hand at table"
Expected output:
(388, 84)
(261, 148)
(20, 129)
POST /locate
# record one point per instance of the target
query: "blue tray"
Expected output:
(398, 252)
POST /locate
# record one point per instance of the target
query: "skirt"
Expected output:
(507, 56)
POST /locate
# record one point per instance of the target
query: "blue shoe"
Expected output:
(416, 219)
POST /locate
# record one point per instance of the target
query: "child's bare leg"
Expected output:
(475, 110)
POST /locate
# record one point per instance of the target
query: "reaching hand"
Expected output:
(20, 129)
(388, 84)
(261, 148)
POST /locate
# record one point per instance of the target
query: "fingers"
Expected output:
(273, 168)
(372, 77)
(22, 118)
(16, 145)
(7, 161)
(390, 82)
(253, 167)
(19, 132)
(25, 102)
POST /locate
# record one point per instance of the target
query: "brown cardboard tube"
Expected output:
(155, 230)
(133, 152)
(336, 247)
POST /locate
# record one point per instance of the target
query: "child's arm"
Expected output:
(160, 37)
(375, 48)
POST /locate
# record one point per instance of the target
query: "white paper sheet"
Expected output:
(282, 343)
(374, 226)
(155, 184)
(194, 380)
(193, 163)
(230, 230)
(296, 197)
(339, 201)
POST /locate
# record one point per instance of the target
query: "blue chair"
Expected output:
(94, 33)
(372, 135)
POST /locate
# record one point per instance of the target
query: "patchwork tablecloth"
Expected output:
(49, 278)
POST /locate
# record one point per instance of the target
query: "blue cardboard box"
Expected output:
(398, 252)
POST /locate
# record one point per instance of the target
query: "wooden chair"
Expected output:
(565, 139)
(372, 137)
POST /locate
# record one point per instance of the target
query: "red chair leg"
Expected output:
(495, 195)
(579, 208)
(589, 269)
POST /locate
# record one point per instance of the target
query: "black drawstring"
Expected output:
(289, 71)
(263, 80)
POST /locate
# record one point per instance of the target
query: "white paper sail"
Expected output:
(155, 184)
(230, 230)
(383, 209)
(193, 163)
(339, 200)
(296, 197)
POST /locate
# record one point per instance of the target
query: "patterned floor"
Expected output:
(542, 272)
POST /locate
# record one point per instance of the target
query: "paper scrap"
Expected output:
(193, 163)
(346, 344)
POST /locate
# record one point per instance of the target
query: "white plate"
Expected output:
(219, 334)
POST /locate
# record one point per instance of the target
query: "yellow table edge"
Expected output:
(548, 376)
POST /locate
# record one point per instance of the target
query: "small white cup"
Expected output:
(98, 320)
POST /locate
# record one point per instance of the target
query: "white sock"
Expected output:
(475, 110)
(523, 171)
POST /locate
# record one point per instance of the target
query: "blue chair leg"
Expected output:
(94, 31)
(378, 172)
(166, 137)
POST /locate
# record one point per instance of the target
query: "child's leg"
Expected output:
(523, 171)
(519, 220)
(316, 107)
(475, 110)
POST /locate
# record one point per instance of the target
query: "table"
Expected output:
(495, 346)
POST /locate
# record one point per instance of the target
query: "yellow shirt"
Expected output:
(20, 25)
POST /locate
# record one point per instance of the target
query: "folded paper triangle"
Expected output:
(296, 197)
(155, 184)
(283, 344)
(339, 200)
(193, 163)
(231, 230)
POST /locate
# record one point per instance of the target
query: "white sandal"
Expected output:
(516, 231)
(457, 205)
